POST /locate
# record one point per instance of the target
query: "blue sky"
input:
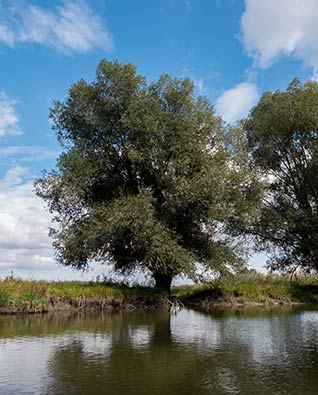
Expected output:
(233, 50)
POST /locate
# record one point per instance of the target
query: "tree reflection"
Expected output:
(188, 353)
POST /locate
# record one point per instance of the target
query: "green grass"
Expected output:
(34, 296)
(21, 295)
(257, 288)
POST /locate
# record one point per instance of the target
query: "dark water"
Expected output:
(189, 352)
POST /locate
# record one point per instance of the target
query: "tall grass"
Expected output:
(33, 296)
(21, 295)
(255, 287)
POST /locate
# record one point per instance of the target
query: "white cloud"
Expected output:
(24, 223)
(6, 35)
(199, 84)
(28, 153)
(71, 27)
(8, 117)
(271, 28)
(235, 103)
(25, 246)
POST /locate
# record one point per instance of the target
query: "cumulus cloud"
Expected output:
(9, 119)
(25, 246)
(70, 27)
(271, 28)
(234, 103)
(24, 222)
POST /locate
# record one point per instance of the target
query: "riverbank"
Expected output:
(19, 296)
(251, 290)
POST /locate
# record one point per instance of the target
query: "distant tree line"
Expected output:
(151, 179)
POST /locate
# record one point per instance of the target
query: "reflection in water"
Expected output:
(190, 327)
(190, 352)
(140, 337)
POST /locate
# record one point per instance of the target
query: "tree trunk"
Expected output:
(163, 281)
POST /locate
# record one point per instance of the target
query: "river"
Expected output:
(231, 351)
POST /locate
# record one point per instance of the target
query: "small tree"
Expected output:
(282, 132)
(148, 178)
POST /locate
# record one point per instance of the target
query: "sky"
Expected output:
(233, 50)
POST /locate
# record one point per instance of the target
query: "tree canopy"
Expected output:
(282, 132)
(149, 177)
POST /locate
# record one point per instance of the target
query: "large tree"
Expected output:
(148, 178)
(282, 132)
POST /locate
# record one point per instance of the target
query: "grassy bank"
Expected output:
(252, 289)
(39, 296)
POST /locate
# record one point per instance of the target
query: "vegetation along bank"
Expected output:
(19, 296)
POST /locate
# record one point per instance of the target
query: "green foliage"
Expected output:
(282, 132)
(148, 179)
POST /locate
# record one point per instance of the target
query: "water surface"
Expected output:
(253, 351)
